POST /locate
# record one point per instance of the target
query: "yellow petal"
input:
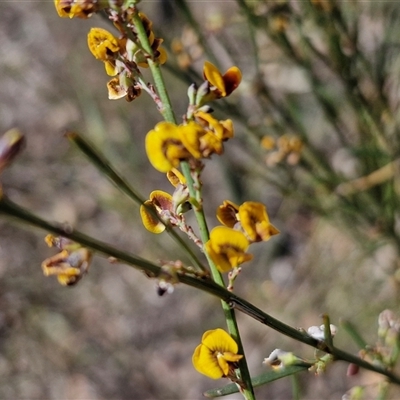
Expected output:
(102, 43)
(162, 56)
(164, 148)
(60, 7)
(232, 357)
(206, 363)
(115, 90)
(228, 129)
(111, 69)
(236, 257)
(210, 144)
(227, 248)
(161, 200)
(225, 359)
(255, 222)
(212, 75)
(190, 136)
(150, 222)
(220, 260)
(223, 364)
(222, 237)
(176, 177)
(218, 340)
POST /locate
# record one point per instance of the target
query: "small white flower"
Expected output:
(318, 332)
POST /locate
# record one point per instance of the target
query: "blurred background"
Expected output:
(316, 111)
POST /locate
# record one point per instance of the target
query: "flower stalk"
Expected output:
(169, 116)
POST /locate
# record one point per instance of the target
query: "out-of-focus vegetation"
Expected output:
(319, 76)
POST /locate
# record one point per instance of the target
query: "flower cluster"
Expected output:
(70, 265)
(168, 144)
(122, 56)
(243, 225)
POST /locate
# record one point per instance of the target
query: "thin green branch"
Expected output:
(10, 209)
(259, 380)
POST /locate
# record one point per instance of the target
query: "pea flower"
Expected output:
(102, 44)
(227, 248)
(70, 265)
(164, 146)
(216, 356)
(200, 142)
(79, 8)
(251, 217)
(159, 203)
(255, 222)
(222, 85)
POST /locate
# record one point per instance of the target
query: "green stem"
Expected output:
(166, 109)
(169, 116)
(230, 316)
(11, 209)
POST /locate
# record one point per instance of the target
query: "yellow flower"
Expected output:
(78, 8)
(222, 85)
(227, 248)
(164, 146)
(102, 44)
(70, 265)
(216, 356)
(251, 217)
(159, 202)
(255, 222)
(205, 135)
